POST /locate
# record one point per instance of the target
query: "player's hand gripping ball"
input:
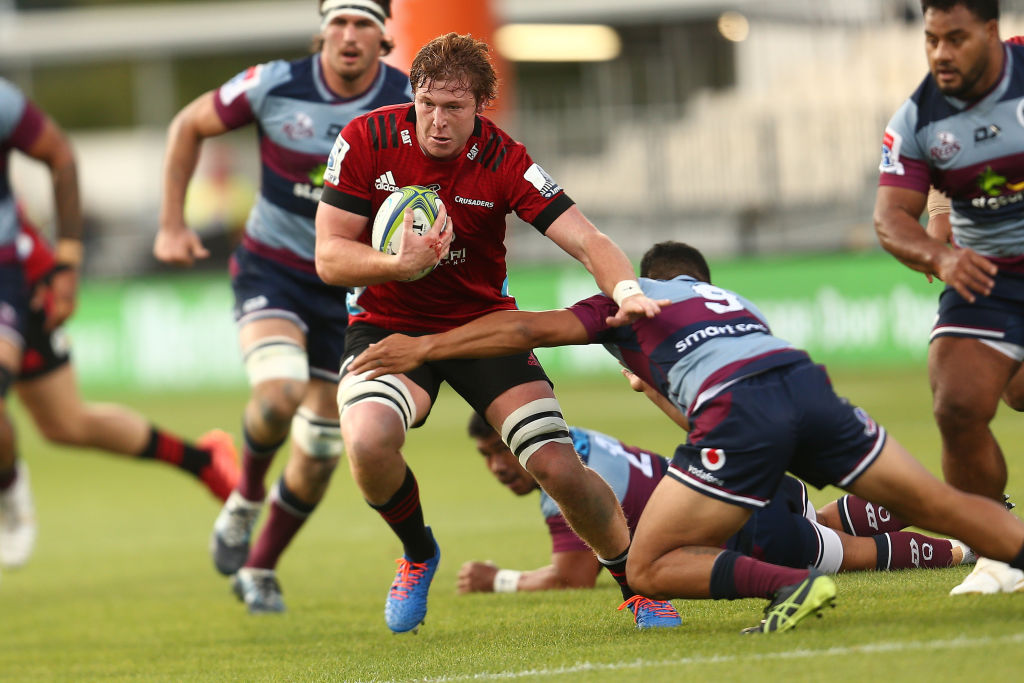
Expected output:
(387, 224)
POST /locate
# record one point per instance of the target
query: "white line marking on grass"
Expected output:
(869, 648)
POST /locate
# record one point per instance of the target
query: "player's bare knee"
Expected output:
(533, 426)
(641, 578)
(958, 413)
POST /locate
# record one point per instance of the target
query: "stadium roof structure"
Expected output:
(158, 30)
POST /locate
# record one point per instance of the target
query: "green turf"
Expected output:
(121, 586)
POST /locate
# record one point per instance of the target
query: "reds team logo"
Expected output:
(870, 427)
(946, 148)
(713, 459)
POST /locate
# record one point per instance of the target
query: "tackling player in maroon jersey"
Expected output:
(442, 141)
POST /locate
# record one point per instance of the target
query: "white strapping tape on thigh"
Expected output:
(387, 390)
(317, 436)
(531, 426)
(276, 358)
(1008, 349)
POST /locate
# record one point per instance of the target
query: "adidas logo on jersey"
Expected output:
(386, 182)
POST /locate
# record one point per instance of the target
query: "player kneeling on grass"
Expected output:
(756, 407)
(855, 535)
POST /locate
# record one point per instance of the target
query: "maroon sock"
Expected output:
(287, 515)
(756, 579)
(861, 518)
(910, 550)
(256, 460)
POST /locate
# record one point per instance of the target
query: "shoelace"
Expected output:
(408, 577)
(658, 608)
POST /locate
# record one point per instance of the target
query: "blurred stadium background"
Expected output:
(750, 128)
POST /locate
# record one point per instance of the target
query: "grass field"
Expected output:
(121, 586)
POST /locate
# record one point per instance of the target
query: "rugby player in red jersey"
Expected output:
(443, 141)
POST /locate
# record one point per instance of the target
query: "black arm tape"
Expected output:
(344, 201)
(551, 212)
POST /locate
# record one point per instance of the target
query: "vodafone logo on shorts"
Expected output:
(712, 458)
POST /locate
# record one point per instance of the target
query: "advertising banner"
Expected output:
(845, 309)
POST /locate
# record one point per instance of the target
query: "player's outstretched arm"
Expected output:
(570, 569)
(612, 271)
(176, 243)
(54, 149)
(496, 334)
(896, 222)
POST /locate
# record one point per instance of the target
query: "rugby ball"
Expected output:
(386, 235)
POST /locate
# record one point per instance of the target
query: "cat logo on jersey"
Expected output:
(891, 143)
(712, 458)
(333, 173)
(247, 80)
(544, 183)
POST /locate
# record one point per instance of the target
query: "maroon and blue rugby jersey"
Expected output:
(706, 339)
(972, 151)
(631, 472)
(298, 118)
(21, 122)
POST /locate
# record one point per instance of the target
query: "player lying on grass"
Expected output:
(756, 406)
(787, 532)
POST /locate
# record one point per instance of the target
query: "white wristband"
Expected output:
(506, 581)
(624, 289)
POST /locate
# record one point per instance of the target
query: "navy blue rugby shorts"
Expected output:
(743, 441)
(267, 289)
(997, 318)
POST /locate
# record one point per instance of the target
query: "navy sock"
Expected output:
(1018, 562)
(723, 584)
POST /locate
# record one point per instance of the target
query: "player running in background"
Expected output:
(787, 531)
(960, 132)
(48, 389)
(25, 127)
(481, 174)
(756, 408)
(291, 326)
